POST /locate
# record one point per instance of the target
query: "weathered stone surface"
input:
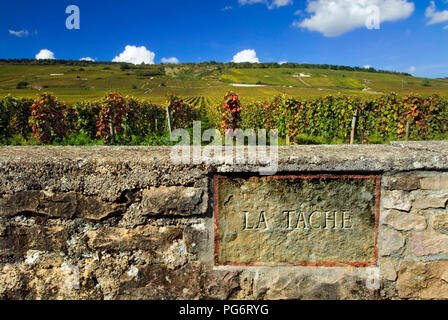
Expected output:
(390, 241)
(406, 183)
(434, 183)
(440, 222)
(72, 226)
(423, 280)
(396, 199)
(48, 281)
(174, 201)
(107, 172)
(12, 283)
(431, 202)
(193, 281)
(320, 285)
(296, 220)
(17, 240)
(196, 239)
(429, 243)
(57, 205)
(403, 221)
(388, 271)
(142, 237)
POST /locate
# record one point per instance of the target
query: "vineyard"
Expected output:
(119, 120)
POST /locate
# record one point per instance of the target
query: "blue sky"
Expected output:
(412, 36)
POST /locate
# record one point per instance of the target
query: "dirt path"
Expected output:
(304, 82)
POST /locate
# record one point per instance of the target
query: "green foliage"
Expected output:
(85, 116)
(142, 118)
(182, 114)
(381, 119)
(303, 139)
(306, 121)
(14, 115)
(80, 139)
(124, 66)
(22, 85)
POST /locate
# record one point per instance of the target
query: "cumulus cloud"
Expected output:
(20, 34)
(282, 62)
(248, 55)
(333, 18)
(170, 60)
(136, 55)
(412, 69)
(270, 4)
(45, 54)
(367, 66)
(87, 59)
(435, 16)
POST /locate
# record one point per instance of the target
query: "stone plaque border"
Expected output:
(377, 178)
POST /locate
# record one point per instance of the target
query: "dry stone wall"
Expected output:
(128, 223)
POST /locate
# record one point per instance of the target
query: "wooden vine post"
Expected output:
(168, 117)
(407, 130)
(354, 124)
(112, 125)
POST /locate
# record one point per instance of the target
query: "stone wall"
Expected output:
(128, 223)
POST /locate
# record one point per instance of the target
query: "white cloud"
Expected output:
(248, 55)
(333, 18)
(280, 3)
(227, 8)
(136, 55)
(170, 60)
(435, 16)
(245, 2)
(282, 62)
(20, 34)
(412, 69)
(367, 66)
(87, 59)
(270, 4)
(45, 54)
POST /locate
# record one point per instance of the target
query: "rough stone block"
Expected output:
(322, 285)
(403, 221)
(182, 201)
(407, 183)
(144, 238)
(390, 241)
(397, 199)
(194, 281)
(387, 267)
(430, 203)
(12, 283)
(17, 240)
(440, 222)
(429, 243)
(57, 205)
(434, 183)
(423, 280)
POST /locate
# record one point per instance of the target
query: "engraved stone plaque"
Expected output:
(316, 220)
